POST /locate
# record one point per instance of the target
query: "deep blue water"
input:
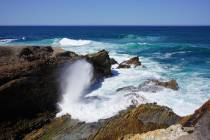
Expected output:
(181, 53)
(185, 34)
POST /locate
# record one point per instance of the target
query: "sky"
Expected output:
(104, 12)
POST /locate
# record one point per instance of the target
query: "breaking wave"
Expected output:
(7, 40)
(72, 42)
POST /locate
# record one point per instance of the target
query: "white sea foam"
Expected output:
(7, 40)
(105, 102)
(72, 42)
(76, 79)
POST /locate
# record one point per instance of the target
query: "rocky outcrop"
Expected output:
(144, 118)
(194, 127)
(101, 63)
(113, 61)
(198, 123)
(29, 85)
(171, 133)
(151, 86)
(29, 92)
(148, 121)
(63, 128)
(172, 84)
(200, 131)
(194, 118)
(134, 61)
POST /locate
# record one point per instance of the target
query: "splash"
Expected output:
(75, 81)
(86, 106)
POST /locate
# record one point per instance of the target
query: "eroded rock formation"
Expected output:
(29, 85)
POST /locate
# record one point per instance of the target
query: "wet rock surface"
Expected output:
(101, 63)
(134, 61)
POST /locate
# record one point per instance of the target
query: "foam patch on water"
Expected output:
(7, 40)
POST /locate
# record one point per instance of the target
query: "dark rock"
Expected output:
(29, 85)
(67, 54)
(35, 52)
(172, 84)
(64, 127)
(113, 61)
(101, 63)
(131, 62)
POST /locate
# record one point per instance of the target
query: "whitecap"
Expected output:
(7, 40)
(73, 42)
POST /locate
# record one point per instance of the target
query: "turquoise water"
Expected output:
(180, 53)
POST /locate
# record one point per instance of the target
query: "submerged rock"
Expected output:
(134, 61)
(151, 86)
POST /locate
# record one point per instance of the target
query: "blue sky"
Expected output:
(104, 12)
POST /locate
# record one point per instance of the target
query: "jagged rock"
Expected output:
(200, 120)
(137, 120)
(63, 128)
(201, 130)
(195, 127)
(113, 61)
(191, 120)
(172, 84)
(171, 133)
(67, 54)
(134, 61)
(101, 63)
(29, 85)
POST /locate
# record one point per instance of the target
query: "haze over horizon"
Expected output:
(109, 12)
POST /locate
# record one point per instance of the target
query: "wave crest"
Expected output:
(72, 42)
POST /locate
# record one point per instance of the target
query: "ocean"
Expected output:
(181, 53)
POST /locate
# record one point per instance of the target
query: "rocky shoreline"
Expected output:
(29, 92)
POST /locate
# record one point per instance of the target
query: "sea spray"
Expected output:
(76, 79)
(81, 104)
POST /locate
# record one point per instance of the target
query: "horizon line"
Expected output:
(80, 25)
